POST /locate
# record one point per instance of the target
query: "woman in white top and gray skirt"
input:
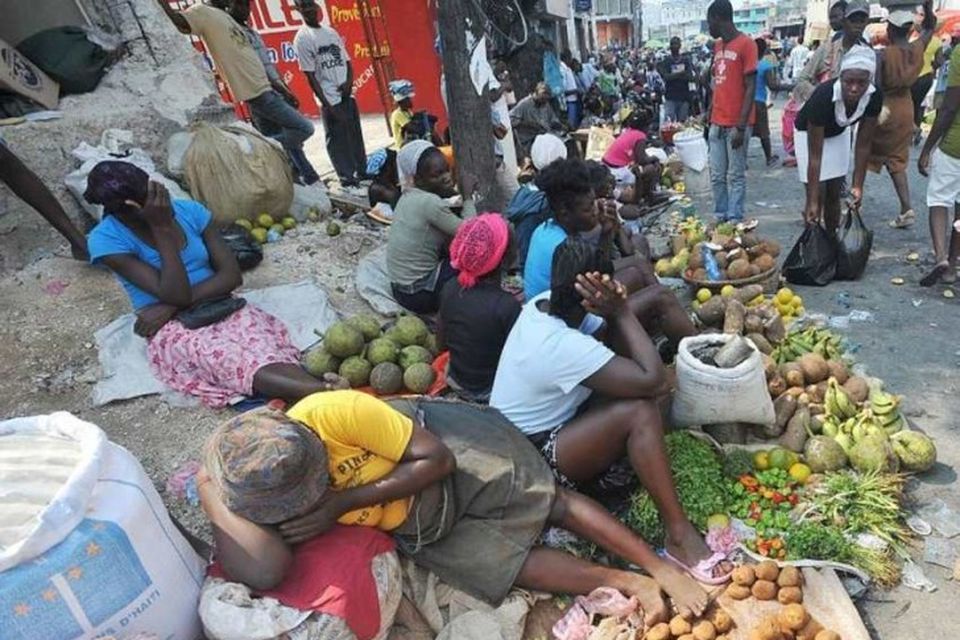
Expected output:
(824, 136)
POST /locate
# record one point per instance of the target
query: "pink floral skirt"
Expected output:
(217, 363)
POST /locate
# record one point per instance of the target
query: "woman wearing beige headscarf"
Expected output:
(900, 68)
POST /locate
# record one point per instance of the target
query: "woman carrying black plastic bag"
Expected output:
(824, 135)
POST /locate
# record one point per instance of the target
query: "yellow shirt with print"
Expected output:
(929, 54)
(365, 440)
(398, 120)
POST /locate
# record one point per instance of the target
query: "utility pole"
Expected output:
(471, 128)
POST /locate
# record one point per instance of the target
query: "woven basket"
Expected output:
(770, 280)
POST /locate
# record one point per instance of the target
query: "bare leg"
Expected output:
(938, 236)
(586, 518)
(289, 382)
(767, 149)
(831, 204)
(658, 308)
(593, 441)
(903, 190)
(29, 188)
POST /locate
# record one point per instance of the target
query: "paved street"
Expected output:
(912, 342)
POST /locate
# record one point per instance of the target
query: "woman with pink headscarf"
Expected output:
(476, 314)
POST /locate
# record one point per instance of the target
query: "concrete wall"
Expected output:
(23, 18)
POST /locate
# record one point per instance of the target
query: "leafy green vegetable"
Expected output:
(701, 485)
(737, 463)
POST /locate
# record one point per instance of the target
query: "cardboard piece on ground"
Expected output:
(19, 75)
(824, 598)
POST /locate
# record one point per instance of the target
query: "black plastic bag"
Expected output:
(854, 242)
(249, 254)
(813, 259)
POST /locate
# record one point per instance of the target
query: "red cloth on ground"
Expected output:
(331, 574)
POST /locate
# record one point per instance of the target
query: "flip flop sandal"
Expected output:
(934, 275)
(375, 214)
(904, 220)
(950, 277)
(702, 571)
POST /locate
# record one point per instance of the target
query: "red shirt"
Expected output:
(732, 61)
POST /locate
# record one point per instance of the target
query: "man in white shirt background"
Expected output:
(324, 60)
(798, 59)
(571, 89)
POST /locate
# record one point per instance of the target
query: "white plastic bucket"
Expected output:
(692, 149)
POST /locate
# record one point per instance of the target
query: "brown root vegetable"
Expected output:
(744, 575)
(767, 570)
(792, 373)
(738, 592)
(687, 636)
(704, 630)
(699, 275)
(749, 240)
(658, 632)
(793, 617)
(764, 590)
(796, 392)
(815, 368)
(722, 260)
(857, 388)
(815, 393)
(739, 269)
(764, 263)
(775, 330)
(772, 248)
(762, 344)
(795, 436)
(790, 576)
(838, 370)
(827, 635)
(711, 312)
(783, 407)
(721, 620)
(769, 366)
(733, 319)
(680, 625)
(766, 629)
(752, 323)
(777, 386)
(748, 293)
(790, 595)
(810, 631)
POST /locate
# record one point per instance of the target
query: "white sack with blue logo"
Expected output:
(86, 546)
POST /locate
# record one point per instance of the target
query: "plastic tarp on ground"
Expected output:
(125, 373)
(373, 282)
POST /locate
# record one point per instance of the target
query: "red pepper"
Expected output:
(778, 498)
(749, 481)
(793, 499)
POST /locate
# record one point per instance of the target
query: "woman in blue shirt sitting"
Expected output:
(180, 276)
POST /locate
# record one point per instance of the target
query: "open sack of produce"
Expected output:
(86, 546)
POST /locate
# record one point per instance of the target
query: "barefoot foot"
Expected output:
(647, 591)
(690, 548)
(685, 592)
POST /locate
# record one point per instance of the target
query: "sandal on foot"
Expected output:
(950, 277)
(702, 571)
(905, 220)
(934, 275)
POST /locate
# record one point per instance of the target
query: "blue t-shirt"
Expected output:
(536, 271)
(112, 237)
(762, 67)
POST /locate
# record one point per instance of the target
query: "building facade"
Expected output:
(617, 23)
(754, 18)
(664, 19)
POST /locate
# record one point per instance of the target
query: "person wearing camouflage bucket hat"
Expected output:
(266, 466)
(462, 491)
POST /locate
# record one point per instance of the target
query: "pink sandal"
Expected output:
(703, 570)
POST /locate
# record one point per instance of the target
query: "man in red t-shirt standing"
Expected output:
(731, 111)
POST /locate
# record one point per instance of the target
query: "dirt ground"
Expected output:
(51, 307)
